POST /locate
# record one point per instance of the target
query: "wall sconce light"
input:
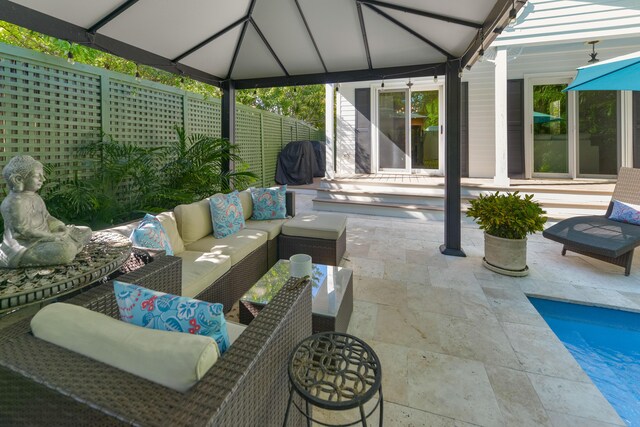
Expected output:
(512, 13)
(435, 78)
(481, 51)
(409, 83)
(593, 53)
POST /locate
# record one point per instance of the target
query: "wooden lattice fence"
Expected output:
(48, 108)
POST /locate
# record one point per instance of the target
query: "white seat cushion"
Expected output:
(247, 203)
(237, 245)
(173, 359)
(193, 221)
(324, 225)
(200, 270)
(271, 226)
(168, 221)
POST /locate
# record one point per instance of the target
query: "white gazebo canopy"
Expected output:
(243, 44)
(274, 42)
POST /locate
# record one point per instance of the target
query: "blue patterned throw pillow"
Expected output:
(226, 214)
(269, 203)
(157, 310)
(625, 212)
(151, 234)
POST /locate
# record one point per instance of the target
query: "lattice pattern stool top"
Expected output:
(333, 370)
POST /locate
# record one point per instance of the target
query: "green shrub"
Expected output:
(507, 215)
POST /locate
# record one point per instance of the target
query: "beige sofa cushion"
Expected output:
(173, 359)
(271, 226)
(168, 221)
(247, 203)
(237, 246)
(193, 221)
(234, 330)
(200, 270)
(324, 225)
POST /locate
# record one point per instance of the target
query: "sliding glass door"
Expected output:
(409, 130)
(392, 130)
(425, 130)
(598, 140)
(549, 124)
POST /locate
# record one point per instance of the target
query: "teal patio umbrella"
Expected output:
(544, 118)
(621, 73)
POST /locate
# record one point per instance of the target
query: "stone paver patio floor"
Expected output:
(461, 345)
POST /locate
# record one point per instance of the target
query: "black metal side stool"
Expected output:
(334, 371)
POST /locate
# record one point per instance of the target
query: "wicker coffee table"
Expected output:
(332, 295)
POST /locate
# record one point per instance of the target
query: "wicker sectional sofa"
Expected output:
(219, 270)
(222, 270)
(43, 384)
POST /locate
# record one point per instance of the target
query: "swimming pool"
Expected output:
(606, 343)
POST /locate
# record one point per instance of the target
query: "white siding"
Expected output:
(481, 120)
(345, 129)
(564, 57)
(554, 21)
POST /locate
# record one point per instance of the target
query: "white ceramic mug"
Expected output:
(300, 265)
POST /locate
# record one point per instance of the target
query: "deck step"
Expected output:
(427, 201)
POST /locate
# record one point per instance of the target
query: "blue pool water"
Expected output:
(606, 343)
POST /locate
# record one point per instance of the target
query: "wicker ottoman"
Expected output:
(321, 235)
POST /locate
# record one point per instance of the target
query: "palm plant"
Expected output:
(109, 190)
(196, 167)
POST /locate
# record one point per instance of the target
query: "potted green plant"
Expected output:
(506, 219)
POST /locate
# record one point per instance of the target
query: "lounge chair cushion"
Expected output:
(237, 246)
(625, 212)
(158, 310)
(174, 360)
(150, 233)
(597, 234)
(193, 221)
(226, 214)
(200, 270)
(269, 203)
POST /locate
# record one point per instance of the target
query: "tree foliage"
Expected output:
(305, 103)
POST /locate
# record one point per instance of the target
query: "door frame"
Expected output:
(397, 86)
(542, 79)
(407, 129)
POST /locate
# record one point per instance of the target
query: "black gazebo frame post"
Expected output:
(452, 225)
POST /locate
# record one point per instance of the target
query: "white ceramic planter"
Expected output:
(505, 256)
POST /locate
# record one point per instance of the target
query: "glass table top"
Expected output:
(329, 286)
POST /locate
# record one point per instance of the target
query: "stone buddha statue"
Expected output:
(32, 237)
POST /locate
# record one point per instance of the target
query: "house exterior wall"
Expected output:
(523, 61)
(549, 39)
(559, 21)
(345, 128)
(481, 120)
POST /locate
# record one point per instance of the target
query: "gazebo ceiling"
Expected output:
(274, 42)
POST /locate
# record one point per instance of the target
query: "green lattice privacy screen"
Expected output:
(49, 108)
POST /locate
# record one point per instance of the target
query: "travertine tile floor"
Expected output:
(461, 345)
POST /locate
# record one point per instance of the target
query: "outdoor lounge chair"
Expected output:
(599, 237)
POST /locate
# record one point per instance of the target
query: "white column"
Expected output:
(502, 174)
(328, 129)
(626, 155)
